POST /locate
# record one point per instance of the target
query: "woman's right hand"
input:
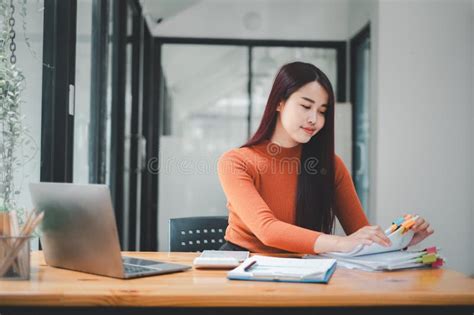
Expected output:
(366, 235)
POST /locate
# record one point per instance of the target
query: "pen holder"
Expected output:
(15, 257)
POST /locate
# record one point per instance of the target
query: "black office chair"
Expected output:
(196, 234)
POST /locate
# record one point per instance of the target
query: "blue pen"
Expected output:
(247, 268)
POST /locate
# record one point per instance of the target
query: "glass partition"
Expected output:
(204, 113)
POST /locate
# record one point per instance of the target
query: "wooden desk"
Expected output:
(200, 289)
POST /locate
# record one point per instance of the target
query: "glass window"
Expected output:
(82, 92)
(128, 134)
(205, 113)
(362, 136)
(86, 72)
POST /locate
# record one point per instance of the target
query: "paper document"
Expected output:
(389, 261)
(376, 257)
(266, 268)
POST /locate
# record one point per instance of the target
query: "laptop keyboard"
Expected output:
(139, 261)
(135, 269)
(132, 265)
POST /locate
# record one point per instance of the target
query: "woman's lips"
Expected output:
(309, 131)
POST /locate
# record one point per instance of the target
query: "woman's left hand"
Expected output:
(422, 230)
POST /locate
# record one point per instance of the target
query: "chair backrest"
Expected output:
(195, 234)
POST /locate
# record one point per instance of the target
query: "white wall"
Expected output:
(274, 19)
(363, 12)
(424, 116)
(407, 150)
(472, 131)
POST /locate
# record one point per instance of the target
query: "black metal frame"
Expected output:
(98, 119)
(249, 91)
(98, 113)
(152, 82)
(362, 35)
(134, 40)
(118, 112)
(143, 92)
(57, 125)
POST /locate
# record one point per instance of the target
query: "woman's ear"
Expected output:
(280, 106)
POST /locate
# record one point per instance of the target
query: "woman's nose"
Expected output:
(312, 118)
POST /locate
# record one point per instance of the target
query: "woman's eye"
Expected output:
(307, 107)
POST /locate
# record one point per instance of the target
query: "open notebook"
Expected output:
(264, 268)
(377, 258)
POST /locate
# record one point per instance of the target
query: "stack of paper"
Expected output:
(264, 268)
(390, 260)
(376, 257)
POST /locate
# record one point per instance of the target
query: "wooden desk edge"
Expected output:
(265, 298)
(130, 300)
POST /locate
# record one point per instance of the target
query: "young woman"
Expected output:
(286, 185)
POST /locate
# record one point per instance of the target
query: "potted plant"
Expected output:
(17, 147)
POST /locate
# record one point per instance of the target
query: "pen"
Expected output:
(408, 224)
(247, 268)
(402, 223)
(395, 225)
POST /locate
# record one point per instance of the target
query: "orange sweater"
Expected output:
(260, 185)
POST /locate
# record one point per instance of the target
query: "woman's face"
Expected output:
(302, 115)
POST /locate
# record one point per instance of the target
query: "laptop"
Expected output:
(79, 232)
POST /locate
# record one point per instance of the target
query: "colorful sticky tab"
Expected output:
(407, 216)
(438, 263)
(428, 258)
(431, 250)
(408, 224)
(393, 228)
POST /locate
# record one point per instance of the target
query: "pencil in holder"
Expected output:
(15, 257)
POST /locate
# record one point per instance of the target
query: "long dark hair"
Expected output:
(315, 191)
